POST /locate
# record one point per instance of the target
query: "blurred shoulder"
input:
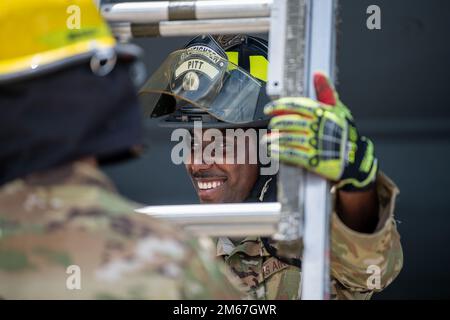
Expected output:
(72, 218)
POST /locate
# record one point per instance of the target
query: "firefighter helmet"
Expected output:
(217, 80)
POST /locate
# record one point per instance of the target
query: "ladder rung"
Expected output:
(126, 31)
(233, 220)
(157, 11)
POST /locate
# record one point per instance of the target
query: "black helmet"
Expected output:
(217, 80)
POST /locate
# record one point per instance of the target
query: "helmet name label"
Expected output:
(197, 65)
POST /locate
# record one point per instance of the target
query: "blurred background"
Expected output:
(395, 81)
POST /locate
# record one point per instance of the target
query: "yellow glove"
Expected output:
(321, 137)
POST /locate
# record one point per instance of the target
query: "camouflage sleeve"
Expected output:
(368, 262)
(173, 265)
(138, 259)
(86, 246)
(207, 277)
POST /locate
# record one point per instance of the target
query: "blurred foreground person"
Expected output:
(68, 103)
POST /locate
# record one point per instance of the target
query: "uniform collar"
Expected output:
(263, 191)
(251, 246)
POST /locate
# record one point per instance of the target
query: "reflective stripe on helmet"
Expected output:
(258, 67)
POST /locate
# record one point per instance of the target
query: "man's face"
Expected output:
(223, 183)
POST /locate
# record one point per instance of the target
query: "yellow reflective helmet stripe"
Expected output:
(48, 31)
(258, 67)
(233, 57)
(33, 61)
(258, 64)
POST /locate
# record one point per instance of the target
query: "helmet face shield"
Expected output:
(202, 79)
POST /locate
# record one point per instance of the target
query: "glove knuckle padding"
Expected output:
(289, 122)
(323, 139)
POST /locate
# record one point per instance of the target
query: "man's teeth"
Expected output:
(209, 185)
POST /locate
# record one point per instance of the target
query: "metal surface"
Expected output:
(289, 21)
(233, 220)
(308, 46)
(125, 31)
(222, 26)
(277, 49)
(233, 9)
(136, 12)
(316, 255)
(158, 11)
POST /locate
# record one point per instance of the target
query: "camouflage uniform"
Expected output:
(351, 255)
(72, 215)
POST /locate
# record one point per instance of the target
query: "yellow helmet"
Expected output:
(38, 35)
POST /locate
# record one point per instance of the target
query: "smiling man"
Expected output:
(226, 92)
(219, 178)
